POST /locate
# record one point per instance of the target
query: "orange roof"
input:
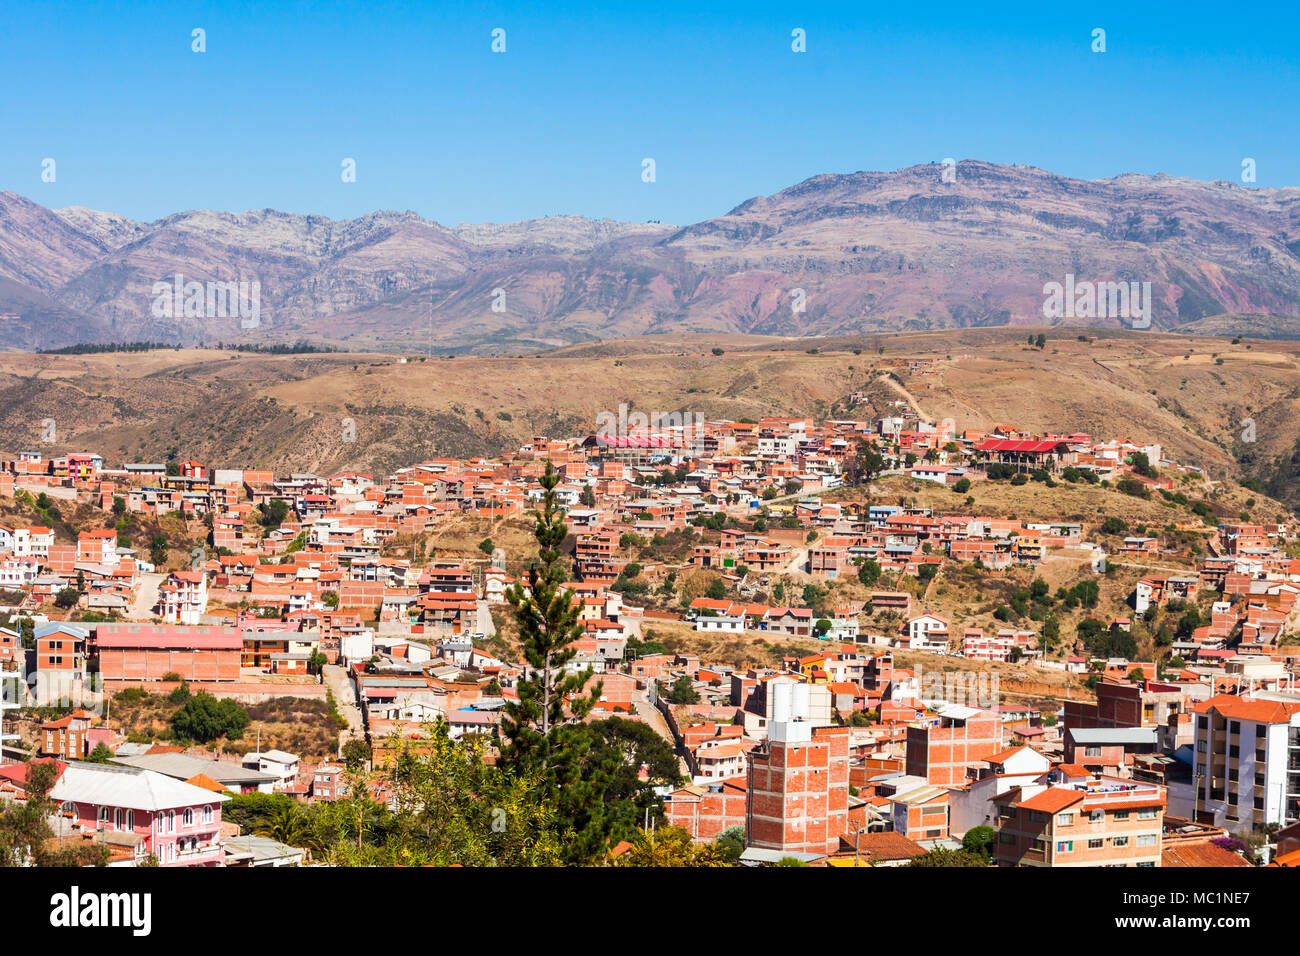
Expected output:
(1053, 799)
(1239, 708)
(1201, 854)
(1073, 770)
(1004, 755)
(206, 782)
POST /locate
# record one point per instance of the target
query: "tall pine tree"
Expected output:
(543, 732)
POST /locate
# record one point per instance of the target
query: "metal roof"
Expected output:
(130, 787)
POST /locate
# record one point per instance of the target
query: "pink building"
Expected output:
(177, 822)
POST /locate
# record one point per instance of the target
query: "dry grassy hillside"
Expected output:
(1190, 393)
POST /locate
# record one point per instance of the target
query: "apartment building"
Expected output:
(798, 781)
(1247, 770)
(943, 743)
(183, 597)
(1102, 821)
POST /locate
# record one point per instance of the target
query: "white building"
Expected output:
(283, 766)
(183, 597)
(1247, 761)
(928, 632)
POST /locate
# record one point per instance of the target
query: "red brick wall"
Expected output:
(798, 793)
(940, 754)
(137, 664)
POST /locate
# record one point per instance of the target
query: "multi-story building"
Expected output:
(178, 823)
(97, 547)
(1102, 821)
(66, 738)
(1247, 770)
(987, 647)
(798, 781)
(183, 597)
(942, 744)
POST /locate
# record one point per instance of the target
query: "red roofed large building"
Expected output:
(147, 652)
(1022, 454)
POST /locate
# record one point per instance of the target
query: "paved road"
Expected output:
(345, 699)
(146, 596)
(485, 622)
(651, 715)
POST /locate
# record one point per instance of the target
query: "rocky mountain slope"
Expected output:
(903, 250)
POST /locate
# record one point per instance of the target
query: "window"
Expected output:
(1064, 846)
(1121, 814)
(171, 821)
(1148, 863)
(1120, 841)
(130, 820)
(188, 817)
(118, 819)
(1092, 751)
(1096, 844)
(1148, 813)
(1065, 819)
(207, 814)
(1146, 839)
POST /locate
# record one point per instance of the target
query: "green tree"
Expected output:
(273, 512)
(158, 546)
(732, 843)
(1142, 465)
(541, 731)
(203, 718)
(945, 858)
(671, 846)
(101, 754)
(979, 841)
(683, 692)
(356, 753)
(869, 572)
(866, 464)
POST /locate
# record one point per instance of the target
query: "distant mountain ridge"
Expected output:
(866, 251)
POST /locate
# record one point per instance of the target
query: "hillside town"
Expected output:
(784, 603)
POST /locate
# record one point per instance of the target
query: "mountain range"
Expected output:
(922, 248)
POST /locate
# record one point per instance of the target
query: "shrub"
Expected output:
(203, 718)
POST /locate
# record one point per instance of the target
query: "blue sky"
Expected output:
(139, 124)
